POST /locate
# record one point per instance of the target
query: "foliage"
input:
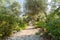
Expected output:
(52, 25)
(15, 8)
(6, 2)
(40, 21)
(40, 24)
(33, 7)
(20, 25)
(53, 28)
(7, 23)
(9, 19)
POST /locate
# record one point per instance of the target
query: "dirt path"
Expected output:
(27, 34)
(28, 31)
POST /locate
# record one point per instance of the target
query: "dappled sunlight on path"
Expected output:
(28, 34)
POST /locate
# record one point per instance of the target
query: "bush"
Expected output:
(7, 24)
(53, 28)
(52, 25)
(40, 24)
(21, 25)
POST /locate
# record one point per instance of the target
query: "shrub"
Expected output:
(7, 24)
(52, 25)
(53, 28)
(21, 25)
(40, 24)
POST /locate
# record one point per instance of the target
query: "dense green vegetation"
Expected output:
(9, 19)
(35, 10)
(51, 24)
(9, 23)
(6, 25)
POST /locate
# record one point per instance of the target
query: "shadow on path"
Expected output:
(27, 37)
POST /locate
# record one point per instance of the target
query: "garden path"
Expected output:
(28, 34)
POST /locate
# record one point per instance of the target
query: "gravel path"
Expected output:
(27, 34)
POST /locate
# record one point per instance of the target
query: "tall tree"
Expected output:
(8, 19)
(15, 8)
(54, 5)
(10, 7)
(33, 7)
(5, 2)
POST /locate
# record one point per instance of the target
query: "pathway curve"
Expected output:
(28, 34)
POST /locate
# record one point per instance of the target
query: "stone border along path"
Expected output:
(27, 34)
